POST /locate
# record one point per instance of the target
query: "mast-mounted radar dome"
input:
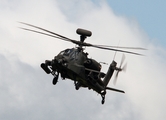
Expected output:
(83, 33)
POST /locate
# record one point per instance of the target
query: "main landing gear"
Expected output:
(103, 99)
(55, 79)
(77, 85)
(103, 96)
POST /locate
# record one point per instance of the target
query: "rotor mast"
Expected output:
(83, 35)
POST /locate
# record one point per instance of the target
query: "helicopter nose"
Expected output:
(58, 61)
(47, 62)
(53, 62)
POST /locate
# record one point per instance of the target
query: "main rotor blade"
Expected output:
(45, 30)
(120, 47)
(44, 34)
(116, 50)
(55, 35)
(96, 46)
(113, 89)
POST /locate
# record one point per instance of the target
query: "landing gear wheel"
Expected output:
(103, 101)
(55, 80)
(77, 85)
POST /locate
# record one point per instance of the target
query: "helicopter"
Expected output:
(74, 63)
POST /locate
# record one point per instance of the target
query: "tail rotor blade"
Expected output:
(116, 77)
(124, 67)
(122, 60)
(120, 69)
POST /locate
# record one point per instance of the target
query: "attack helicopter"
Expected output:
(74, 64)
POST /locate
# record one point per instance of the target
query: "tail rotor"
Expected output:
(120, 68)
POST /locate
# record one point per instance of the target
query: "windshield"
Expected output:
(66, 52)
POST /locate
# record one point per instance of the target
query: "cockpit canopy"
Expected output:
(66, 52)
(73, 54)
(70, 53)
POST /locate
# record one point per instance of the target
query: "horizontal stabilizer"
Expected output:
(113, 89)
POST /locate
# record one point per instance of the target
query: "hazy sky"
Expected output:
(26, 92)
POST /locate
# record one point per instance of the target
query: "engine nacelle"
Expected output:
(92, 64)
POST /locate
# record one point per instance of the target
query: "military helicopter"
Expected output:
(74, 64)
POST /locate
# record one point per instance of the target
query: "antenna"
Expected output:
(116, 51)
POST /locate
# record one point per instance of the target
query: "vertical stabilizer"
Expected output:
(109, 73)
